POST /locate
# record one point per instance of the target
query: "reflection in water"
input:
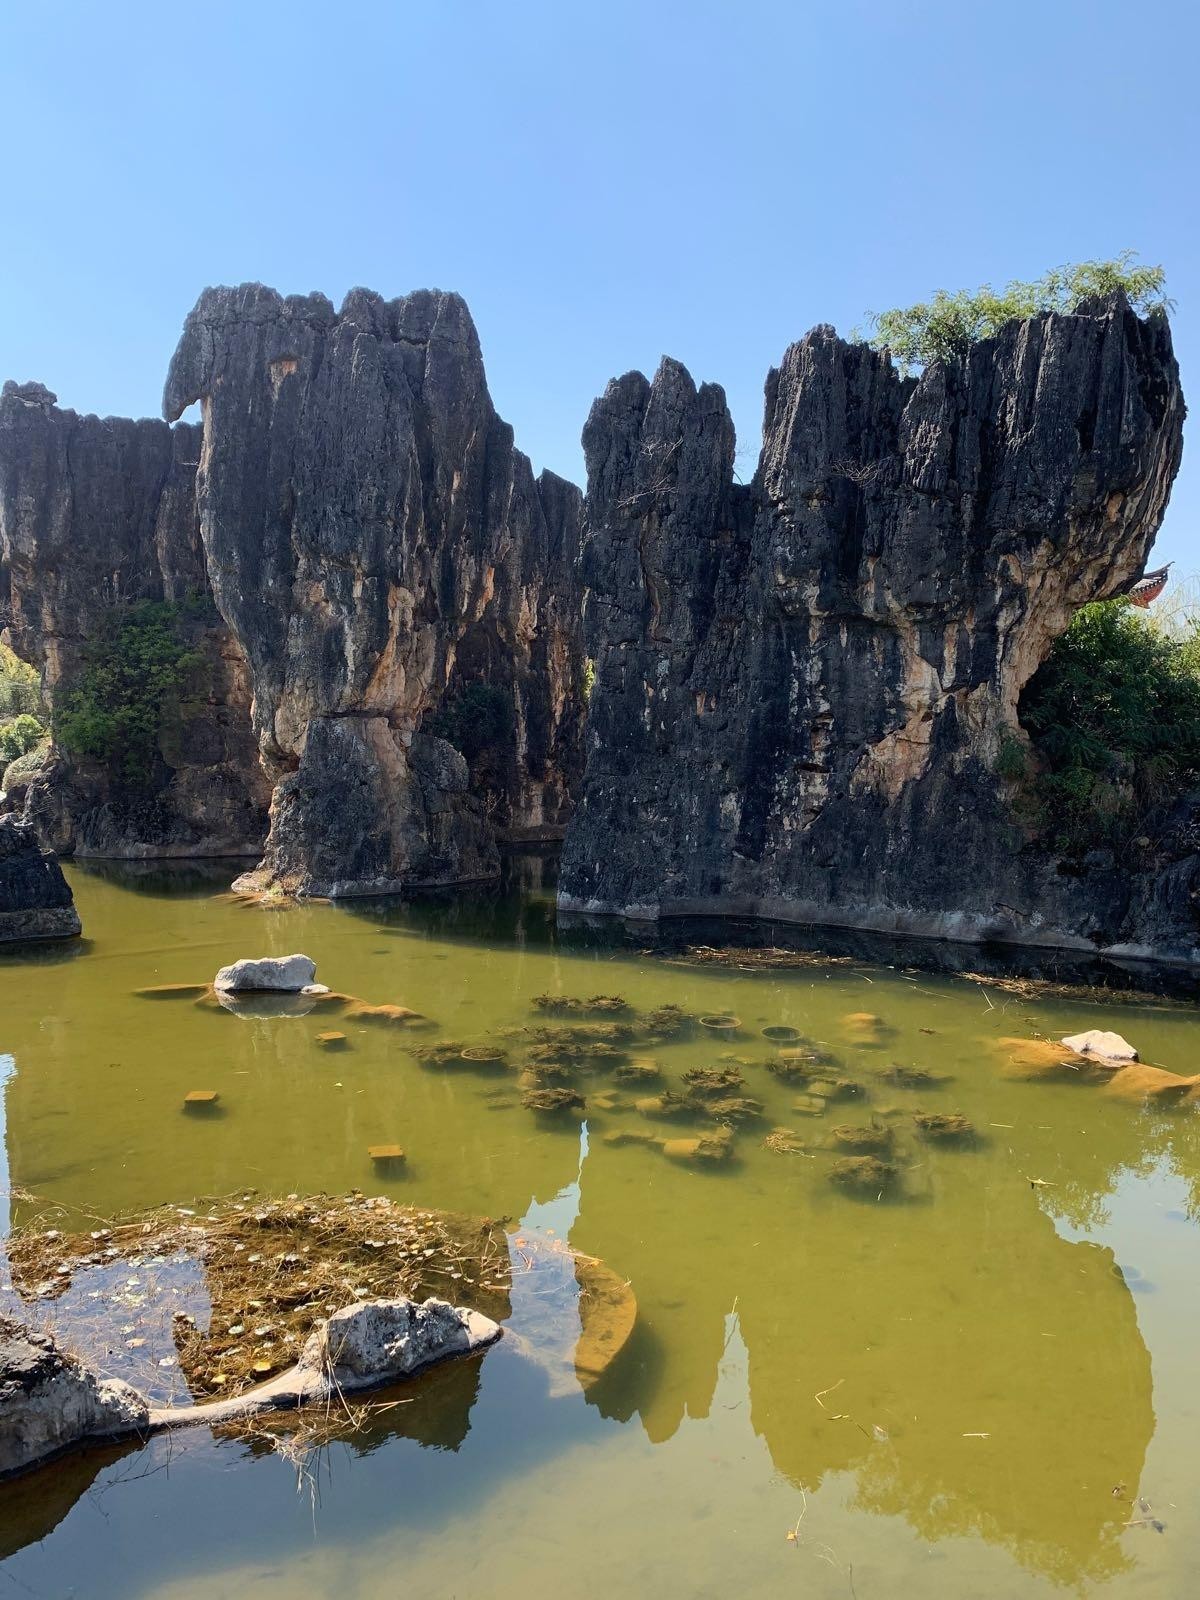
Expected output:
(984, 1372)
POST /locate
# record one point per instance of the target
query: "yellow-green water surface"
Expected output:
(962, 1392)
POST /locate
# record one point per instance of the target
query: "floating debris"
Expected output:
(785, 1142)
(766, 957)
(174, 991)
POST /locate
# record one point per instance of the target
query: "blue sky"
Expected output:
(604, 181)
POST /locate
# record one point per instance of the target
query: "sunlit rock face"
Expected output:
(95, 513)
(378, 546)
(802, 684)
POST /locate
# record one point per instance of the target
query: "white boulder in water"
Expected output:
(1104, 1046)
(374, 1340)
(280, 974)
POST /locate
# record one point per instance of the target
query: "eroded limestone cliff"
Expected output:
(95, 513)
(378, 548)
(802, 684)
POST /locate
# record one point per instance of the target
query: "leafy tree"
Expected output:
(133, 687)
(1114, 719)
(945, 327)
(480, 719)
(20, 692)
(19, 736)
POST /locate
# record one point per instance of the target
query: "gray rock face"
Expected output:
(802, 685)
(50, 1403)
(374, 1340)
(256, 975)
(378, 547)
(35, 899)
(95, 513)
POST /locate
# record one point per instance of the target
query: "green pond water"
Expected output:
(963, 1391)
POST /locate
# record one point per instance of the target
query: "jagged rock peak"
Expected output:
(801, 686)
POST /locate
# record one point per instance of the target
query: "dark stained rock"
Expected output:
(96, 513)
(378, 547)
(35, 899)
(802, 685)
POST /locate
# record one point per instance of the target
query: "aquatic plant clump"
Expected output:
(912, 1078)
(707, 1149)
(668, 1022)
(637, 1071)
(944, 1127)
(445, 1053)
(862, 1141)
(708, 1081)
(732, 1108)
(553, 1102)
(564, 1005)
(863, 1175)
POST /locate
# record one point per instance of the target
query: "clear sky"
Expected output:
(604, 181)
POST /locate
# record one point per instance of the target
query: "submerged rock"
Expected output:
(50, 1402)
(35, 899)
(263, 974)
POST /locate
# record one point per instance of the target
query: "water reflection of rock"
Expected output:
(934, 1326)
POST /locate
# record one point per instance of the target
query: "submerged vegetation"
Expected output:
(137, 679)
(1114, 721)
(945, 328)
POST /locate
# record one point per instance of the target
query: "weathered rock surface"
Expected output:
(1099, 1042)
(96, 513)
(802, 684)
(256, 975)
(35, 899)
(49, 1402)
(379, 548)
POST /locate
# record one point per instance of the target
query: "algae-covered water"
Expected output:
(983, 1385)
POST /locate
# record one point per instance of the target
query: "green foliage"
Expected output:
(20, 693)
(19, 736)
(1114, 716)
(947, 326)
(589, 678)
(30, 762)
(132, 689)
(480, 719)
(1011, 759)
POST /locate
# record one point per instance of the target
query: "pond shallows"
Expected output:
(780, 1033)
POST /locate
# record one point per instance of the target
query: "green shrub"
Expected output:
(479, 719)
(31, 761)
(1114, 719)
(947, 326)
(20, 691)
(133, 687)
(19, 735)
